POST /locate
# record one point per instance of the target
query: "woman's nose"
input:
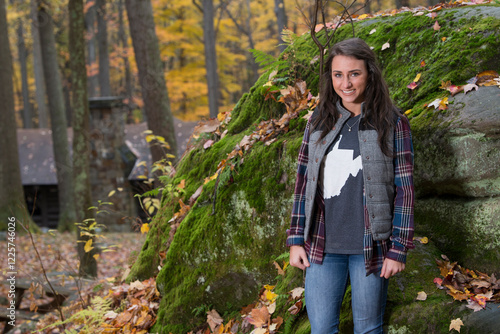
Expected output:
(347, 82)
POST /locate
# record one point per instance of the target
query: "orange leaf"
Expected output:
(259, 317)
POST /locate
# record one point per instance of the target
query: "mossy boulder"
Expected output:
(222, 252)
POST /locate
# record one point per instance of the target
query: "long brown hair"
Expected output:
(378, 109)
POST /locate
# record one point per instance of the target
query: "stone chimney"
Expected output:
(110, 162)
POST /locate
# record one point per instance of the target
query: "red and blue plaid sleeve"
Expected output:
(402, 230)
(295, 235)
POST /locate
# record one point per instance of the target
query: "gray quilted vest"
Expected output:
(378, 176)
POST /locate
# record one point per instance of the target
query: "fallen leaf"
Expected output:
(259, 316)
(208, 143)
(144, 228)
(443, 39)
(297, 292)
(372, 31)
(272, 308)
(386, 46)
(407, 112)
(422, 63)
(111, 193)
(413, 85)
(295, 308)
(196, 194)
(456, 324)
(417, 77)
(421, 296)
(486, 78)
(214, 319)
(137, 285)
(434, 103)
(280, 271)
(443, 105)
(206, 126)
(259, 330)
(436, 26)
(473, 305)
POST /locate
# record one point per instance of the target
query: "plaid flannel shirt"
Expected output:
(375, 252)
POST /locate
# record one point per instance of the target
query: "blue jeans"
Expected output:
(325, 287)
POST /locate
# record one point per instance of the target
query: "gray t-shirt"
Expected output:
(341, 177)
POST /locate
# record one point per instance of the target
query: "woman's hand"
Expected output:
(389, 268)
(298, 257)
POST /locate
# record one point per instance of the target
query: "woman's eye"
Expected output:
(355, 74)
(337, 75)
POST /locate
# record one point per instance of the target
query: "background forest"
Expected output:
(239, 26)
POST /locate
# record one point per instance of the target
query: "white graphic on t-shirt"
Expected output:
(339, 164)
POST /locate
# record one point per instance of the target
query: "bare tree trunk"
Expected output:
(102, 42)
(90, 19)
(210, 57)
(43, 121)
(402, 3)
(122, 36)
(22, 54)
(367, 7)
(64, 168)
(81, 131)
(279, 10)
(151, 77)
(254, 75)
(12, 202)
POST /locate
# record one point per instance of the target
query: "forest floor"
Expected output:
(57, 252)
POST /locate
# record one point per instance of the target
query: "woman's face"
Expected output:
(349, 78)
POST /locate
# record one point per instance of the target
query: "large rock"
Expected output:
(457, 177)
(458, 151)
(223, 250)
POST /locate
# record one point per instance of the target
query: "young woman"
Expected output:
(352, 217)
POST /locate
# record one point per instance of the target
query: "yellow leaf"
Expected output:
(160, 139)
(182, 184)
(144, 228)
(96, 256)
(88, 246)
(148, 132)
(443, 39)
(270, 295)
(268, 287)
(417, 77)
(363, 16)
(111, 193)
(424, 240)
(407, 111)
(151, 209)
(150, 138)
